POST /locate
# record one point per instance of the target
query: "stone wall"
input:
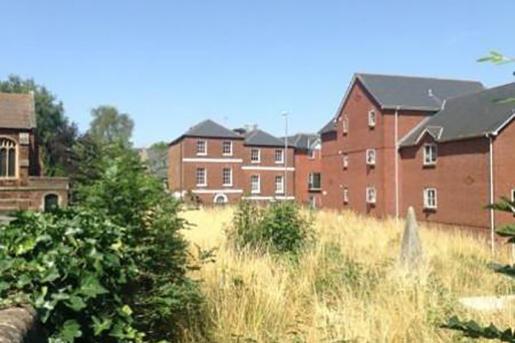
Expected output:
(20, 324)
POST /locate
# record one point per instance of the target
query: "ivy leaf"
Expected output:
(101, 325)
(91, 287)
(76, 303)
(70, 331)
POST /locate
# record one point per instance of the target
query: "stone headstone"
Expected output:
(411, 248)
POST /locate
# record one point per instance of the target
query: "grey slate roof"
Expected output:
(208, 129)
(329, 127)
(261, 138)
(17, 111)
(417, 93)
(468, 116)
(303, 141)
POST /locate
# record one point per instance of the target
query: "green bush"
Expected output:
(279, 227)
(112, 269)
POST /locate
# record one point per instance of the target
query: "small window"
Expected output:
(279, 184)
(7, 158)
(371, 195)
(279, 156)
(255, 186)
(201, 177)
(430, 154)
(372, 118)
(345, 195)
(345, 161)
(314, 181)
(227, 148)
(312, 202)
(201, 147)
(513, 195)
(371, 157)
(227, 177)
(255, 155)
(312, 154)
(51, 202)
(345, 125)
(430, 198)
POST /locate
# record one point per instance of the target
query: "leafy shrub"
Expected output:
(279, 227)
(121, 245)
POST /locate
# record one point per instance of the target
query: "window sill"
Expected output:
(201, 186)
(227, 185)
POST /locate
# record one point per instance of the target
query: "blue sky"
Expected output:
(170, 64)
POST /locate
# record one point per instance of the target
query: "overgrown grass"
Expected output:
(347, 287)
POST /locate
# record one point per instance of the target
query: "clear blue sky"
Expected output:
(170, 64)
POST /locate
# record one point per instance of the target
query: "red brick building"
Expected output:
(444, 147)
(219, 165)
(22, 186)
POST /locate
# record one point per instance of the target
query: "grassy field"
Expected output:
(347, 288)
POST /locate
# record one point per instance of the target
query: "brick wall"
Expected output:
(504, 173)
(304, 165)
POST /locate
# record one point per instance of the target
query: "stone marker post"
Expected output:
(411, 248)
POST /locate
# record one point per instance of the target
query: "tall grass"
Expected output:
(348, 287)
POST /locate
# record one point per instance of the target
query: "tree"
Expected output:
(111, 126)
(156, 159)
(56, 134)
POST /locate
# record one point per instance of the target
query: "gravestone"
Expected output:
(411, 248)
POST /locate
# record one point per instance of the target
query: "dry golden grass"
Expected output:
(348, 287)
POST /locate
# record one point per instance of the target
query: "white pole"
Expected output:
(397, 163)
(285, 115)
(492, 198)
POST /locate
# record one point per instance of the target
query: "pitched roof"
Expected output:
(262, 138)
(468, 116)
(208, 129)
(17, 111)
(329, 127)
(417, 93)
(303, 141)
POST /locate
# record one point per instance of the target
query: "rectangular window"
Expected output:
(279, 184)
(255, 184)
(430, 154)
(227, 148)
(513, 195)
(371, 195)
(201, 147)
(312, 201)
(279, 156)
(314, 182)
(201, 177)
(345, 195)
(371, 157)
(345, 161)
(312, 154)
(255, 155)
(227, 177)
(345, 124)
(430, 198)
(372, 118)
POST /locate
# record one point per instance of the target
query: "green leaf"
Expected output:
(91, 287)
(76, 303)
(101, 325)
(70, 331)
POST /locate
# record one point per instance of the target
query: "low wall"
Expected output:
(20, 325)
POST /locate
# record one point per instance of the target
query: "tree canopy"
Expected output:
(110, 126)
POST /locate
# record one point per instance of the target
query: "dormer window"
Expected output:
(371, 195)
(372, 118)
(201, 147)
(227, 148)
(345, 124)
(7, 158)
(430, 154)
(371, 157)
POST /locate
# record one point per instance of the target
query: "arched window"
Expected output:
(220, 199)
(51, 202)
(7, 158)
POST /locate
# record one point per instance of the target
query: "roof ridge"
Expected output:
(419, 77)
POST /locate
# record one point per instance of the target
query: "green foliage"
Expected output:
(496, 58)
(279, 227)
(112, 269)
(110, 126)
(157, 160)
(55, 133)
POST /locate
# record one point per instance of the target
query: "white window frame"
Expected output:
(430, 156)
(258, 155)
(513, 195)
(281, 161)
(371, 195)
(7, 144)
(427, 204)
(229, 184)
(345, 161)
(312, 154)
(373, 160)
(345, 124)
(204, 183)
(204, 153)
(280, 189)
(372, 118)
(258, 188)
(345, 195)
(230, 148)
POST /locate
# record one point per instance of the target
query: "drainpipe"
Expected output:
(492, 197)
(396, 129)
